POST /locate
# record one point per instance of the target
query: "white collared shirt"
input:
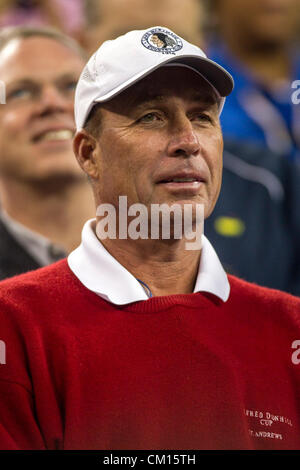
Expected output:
(101, 273)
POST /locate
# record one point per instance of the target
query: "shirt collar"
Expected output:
(101, 273)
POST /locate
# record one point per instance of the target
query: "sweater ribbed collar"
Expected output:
(101, 273)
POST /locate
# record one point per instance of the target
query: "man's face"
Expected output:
(158, 133)
(37, 123)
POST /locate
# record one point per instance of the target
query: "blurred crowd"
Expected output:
(255, 227)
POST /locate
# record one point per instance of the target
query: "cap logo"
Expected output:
(162, 40)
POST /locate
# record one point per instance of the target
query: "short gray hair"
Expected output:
(93, 122)
(10, 33)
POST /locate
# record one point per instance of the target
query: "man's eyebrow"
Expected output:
(206, 98)
(32, 81)
(67, 76)
(21, 81)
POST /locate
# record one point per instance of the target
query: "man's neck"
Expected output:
(57, 214)
(166, 268)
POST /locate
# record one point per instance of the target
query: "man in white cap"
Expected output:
(138, 341)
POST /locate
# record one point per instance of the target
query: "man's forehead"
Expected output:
(166, 82)
(32, 58)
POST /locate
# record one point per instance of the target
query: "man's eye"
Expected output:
(70, 86)
(19, 93)
(203, 117)
(149, 117)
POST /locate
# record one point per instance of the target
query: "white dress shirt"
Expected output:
(101, 273)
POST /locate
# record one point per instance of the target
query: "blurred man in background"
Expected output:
(256, 41)
(255, 226)
(110, 19)
(44, 197)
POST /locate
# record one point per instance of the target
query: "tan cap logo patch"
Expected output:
(162, 40)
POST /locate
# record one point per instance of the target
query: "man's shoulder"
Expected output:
(48, 279)
(251, 293)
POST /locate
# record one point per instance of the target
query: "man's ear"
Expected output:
(85, 147)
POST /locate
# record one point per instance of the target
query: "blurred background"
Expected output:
(256, 225)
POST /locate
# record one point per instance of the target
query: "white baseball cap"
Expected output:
(121, 62)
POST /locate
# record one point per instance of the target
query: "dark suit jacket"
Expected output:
(14, 259)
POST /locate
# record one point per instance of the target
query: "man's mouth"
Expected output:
(54, 136)
(181, 180)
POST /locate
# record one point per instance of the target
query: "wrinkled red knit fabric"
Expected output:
(173, 372)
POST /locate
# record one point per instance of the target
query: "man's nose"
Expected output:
(184, 140)
(52, 100)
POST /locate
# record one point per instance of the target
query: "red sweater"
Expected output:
(173, 372)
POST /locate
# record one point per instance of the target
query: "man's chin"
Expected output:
(55, 179)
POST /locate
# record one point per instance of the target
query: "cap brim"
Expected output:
(211, 71)
(221, 80)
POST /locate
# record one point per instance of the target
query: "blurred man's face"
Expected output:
(265, 21)
(160, 142)
(37, 123)
(117, 17)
